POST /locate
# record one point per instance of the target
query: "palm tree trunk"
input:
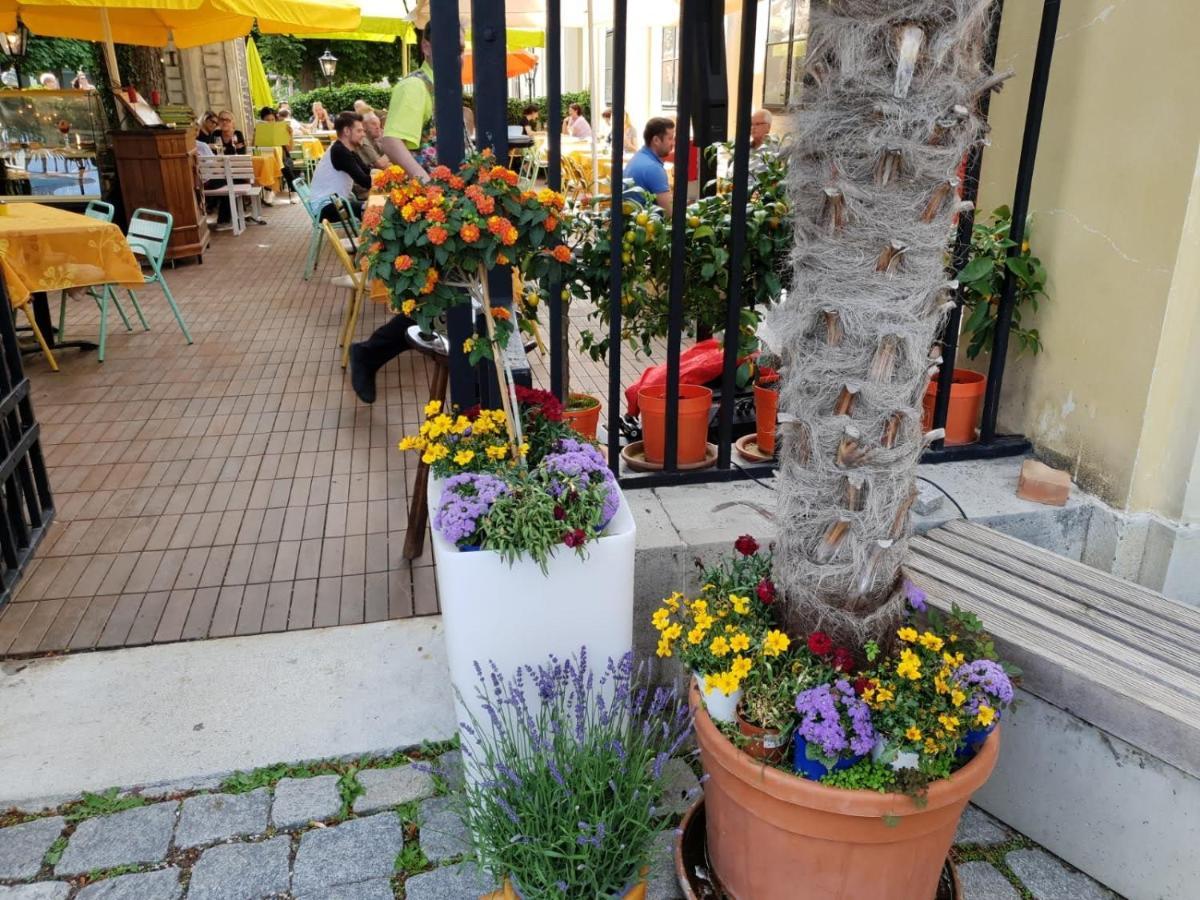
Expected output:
(888, 112)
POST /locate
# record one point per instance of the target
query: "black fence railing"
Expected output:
(701, 111)
(26, 506)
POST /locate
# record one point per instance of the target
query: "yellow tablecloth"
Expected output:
(313, 149)
(267, 169)
(43, 248)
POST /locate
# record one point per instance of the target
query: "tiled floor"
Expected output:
(235, 486)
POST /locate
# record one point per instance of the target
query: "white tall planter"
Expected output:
(516, 616)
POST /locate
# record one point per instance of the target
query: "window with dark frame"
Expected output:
(670, 66)
(608, 70)
(787, 41)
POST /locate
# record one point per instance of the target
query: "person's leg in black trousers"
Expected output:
(369, 356)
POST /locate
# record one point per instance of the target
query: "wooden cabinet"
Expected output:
(157, 170)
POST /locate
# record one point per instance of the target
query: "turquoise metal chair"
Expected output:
(148, 236)
(304, 192)
(104, 212)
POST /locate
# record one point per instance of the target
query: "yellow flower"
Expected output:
(432, 408)
(524, 448)
(913, 733)
(463, 457)
(986, 715)
(699, 606)
(497, 452)
(741, 605)
(719, 646)
(433, 453)
(739, 642)
(957, 697)
(909, 666)
(931, 641)
(672, 602)
(704, 620)
(673, 632)
(408, 307)
(950, 723)
(940, 684)
(408, 442)
(884, 694)
(775, 643)
(468, 345)
(931, 746)
(741, 667)
(696, 635)
(907, 634)
(440, 425)
(953, 638)
(661, 618)
(664, 647)
(461, 424)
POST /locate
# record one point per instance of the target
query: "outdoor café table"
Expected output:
(44, 248)
(267, 170)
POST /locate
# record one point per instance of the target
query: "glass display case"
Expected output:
(54, 146)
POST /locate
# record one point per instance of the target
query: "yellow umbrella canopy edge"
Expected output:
(260, 86)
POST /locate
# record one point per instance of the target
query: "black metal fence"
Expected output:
(26, 507)
(701, 103)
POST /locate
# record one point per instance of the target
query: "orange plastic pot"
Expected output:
(583, 420)
(966, 401)
(766, 409)
(508, 892)
(775, 836)
(695, 406)
(766, 744)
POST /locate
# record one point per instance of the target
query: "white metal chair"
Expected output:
(238, 174)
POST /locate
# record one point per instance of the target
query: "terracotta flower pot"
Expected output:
(773, 836)
(508, 892)
(766, 408)
(966, 401)
(695, 408)
(766, 744)
(583, 419)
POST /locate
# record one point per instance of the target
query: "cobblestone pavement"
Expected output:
(372, 829)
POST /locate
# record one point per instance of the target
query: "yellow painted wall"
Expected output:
(1115, 172)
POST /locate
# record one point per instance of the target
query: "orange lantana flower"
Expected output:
(436, 215)
(499, 312)
(469, 232)
(562, 253)
(437, 235)
(403, 262)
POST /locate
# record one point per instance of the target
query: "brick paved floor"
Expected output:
(235, 486)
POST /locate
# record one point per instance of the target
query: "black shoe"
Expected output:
(362, 379)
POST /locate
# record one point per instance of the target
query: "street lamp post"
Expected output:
(328, 65)
(13, 44)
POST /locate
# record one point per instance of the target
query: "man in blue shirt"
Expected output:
(646, 169)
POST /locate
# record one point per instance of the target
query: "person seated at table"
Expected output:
(341, 169)
(369, 150)
(267, 114)
(232, 141)
(362, 107)
(629, 143)
(576, 125)
(646, 169)
(205, 128)
(321, 120)
(529, 119)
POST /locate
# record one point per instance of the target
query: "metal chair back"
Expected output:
(98, 209)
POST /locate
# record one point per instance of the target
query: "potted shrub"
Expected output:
(767, 382)
(982, 281)
(561, 783)
(582, 412)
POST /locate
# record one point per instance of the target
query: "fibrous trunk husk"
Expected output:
(887, 114)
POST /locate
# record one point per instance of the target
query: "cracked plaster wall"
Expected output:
(1116, 206)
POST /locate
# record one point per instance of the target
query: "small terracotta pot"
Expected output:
(766, 408)
(583, 420)
(966, 401)
(695, 408)
(508, 892)
(773, 836)
(767, 744)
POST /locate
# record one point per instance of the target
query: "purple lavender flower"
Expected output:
(835, 719)
(466, 500)
(986, 682)
(916, 597)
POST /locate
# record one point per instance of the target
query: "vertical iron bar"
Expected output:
(961, 255)
(617, 223)
(1020, 209)
(448, 118)
(558, 349)
(741, 188)
(679, 203)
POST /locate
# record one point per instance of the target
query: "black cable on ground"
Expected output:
(961, 511)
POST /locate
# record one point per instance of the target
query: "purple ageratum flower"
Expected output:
(583, 463)
(986, 682)
(835, 719)
(465, 500)
(916, 597)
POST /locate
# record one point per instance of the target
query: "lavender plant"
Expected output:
(563, 778)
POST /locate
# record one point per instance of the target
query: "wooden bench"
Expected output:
(1102, 760)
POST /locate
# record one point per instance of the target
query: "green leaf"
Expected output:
(976, 269)
(1019, 267)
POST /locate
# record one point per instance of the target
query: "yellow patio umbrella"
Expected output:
(189, 23)
(260, 87)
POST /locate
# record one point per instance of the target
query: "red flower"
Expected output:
(766, 592)
(575, 538)
(559, 513)
(861, 684)
(843, 660)
(746, 545)
(541, 403)
(820, 644)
